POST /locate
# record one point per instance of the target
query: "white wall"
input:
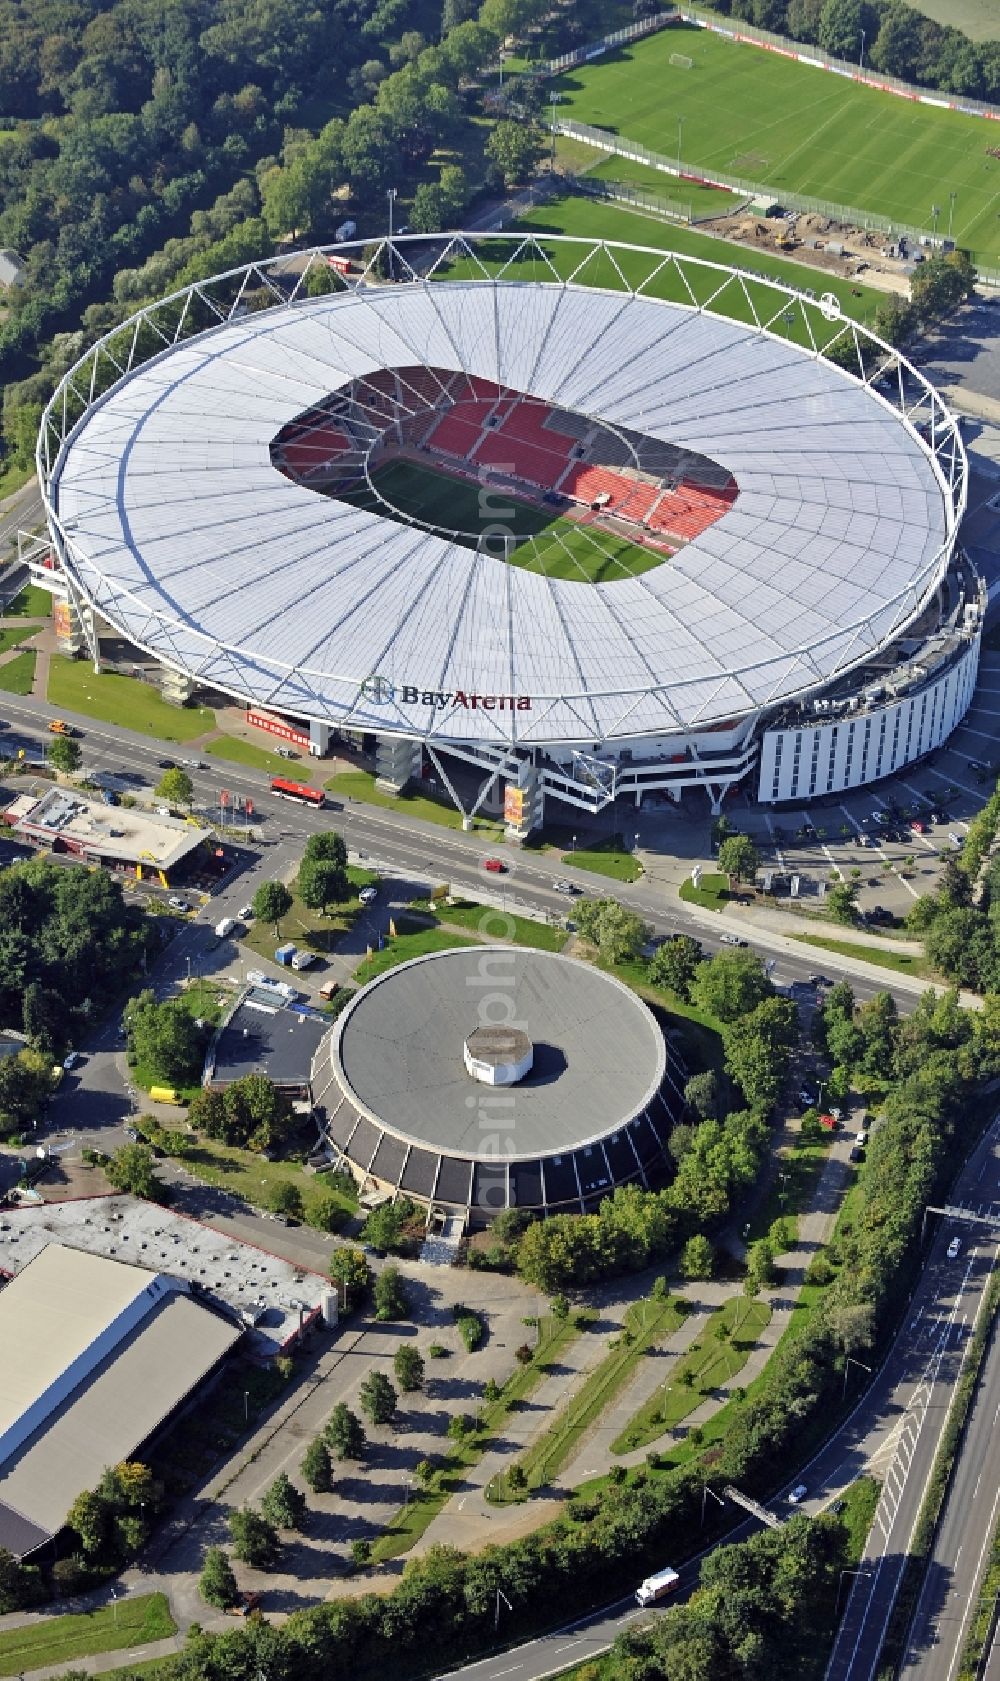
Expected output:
(831, 754)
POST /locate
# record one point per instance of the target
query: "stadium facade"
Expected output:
(560, 520)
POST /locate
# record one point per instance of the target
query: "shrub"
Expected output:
(470, 1326)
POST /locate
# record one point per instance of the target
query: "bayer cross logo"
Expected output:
(378, 690)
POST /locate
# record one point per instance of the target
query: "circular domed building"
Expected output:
(494, 1077)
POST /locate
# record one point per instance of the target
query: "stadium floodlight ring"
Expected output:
(172, 522)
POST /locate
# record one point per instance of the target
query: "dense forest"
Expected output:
(148, 143)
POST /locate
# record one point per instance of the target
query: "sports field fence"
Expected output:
(750, 35)
(620, 146)
(637, 198)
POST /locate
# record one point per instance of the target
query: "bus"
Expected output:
(297, 791)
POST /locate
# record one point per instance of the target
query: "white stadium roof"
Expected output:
(176, 525)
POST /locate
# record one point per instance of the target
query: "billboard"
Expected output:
(62, 620)
(277, 726)
(513, 804)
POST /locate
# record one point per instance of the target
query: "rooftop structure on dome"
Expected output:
(586, 1098)
(708, 500)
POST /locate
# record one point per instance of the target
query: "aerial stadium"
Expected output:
(479, 1079)
(566, 521)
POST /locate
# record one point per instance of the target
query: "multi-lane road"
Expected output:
(425, 855)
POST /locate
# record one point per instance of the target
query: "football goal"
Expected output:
(682, 61)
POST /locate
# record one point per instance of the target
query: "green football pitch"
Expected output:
(766, 119)
(522, 533)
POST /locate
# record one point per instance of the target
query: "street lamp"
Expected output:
(951, 212)
(246, 1406)
(555, 100)
(680, 134)
(935, 213)
(705, 1492)
(848, 1363)
(574, 843)
(861, 60)
(391, 196)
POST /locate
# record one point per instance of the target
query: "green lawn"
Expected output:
(712, 892)
(593, 219)
(239, 752)
(791, 1190)
(710, 1362)
(113, 1628)
(18, 675)
(306, 928)
(860, 1502)
(534, 537)
(976, 18)
(360, 785)
(687, 195)
(31, 603)
(765, 119)
(410, 1522)
(405, 946)
(493, 924)
(605, 858)
(647, 1322)
(904, 962)
(11, 635)
(123, 700)
(12, 477)
(253, 1179)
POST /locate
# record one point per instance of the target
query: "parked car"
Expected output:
(496, 866)
(286, 753)
(798, 1494)
(245, 913)
(167, 764)
(861, 1138)
(954, 1249)
(732, 940)
(70, 1060)
(368, 895)
(808, 1097)
(564, 886)
(178, 904)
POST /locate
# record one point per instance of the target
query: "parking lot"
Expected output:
(895, 834)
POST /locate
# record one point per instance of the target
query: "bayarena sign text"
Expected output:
(381, 692)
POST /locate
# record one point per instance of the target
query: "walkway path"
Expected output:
(470, 1521)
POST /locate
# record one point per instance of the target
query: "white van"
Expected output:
(224, 927)
(303, 959)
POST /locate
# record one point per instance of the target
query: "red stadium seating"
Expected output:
(522, 460)
(314, 449)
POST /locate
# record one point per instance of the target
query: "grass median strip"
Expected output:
(493, 924)
(410, 1522)
(112, 1628)
(646, 1323)
(360, 785)
(722, 1350)
(903, 962)
(17, 676)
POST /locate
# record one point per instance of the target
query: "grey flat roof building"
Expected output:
(594, 1110)
(264, 1037)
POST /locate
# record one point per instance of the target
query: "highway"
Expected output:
(426, 855)
(894, 1430)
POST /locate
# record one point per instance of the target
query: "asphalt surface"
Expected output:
(423, 858)
(961, 1550)
(895, 1429)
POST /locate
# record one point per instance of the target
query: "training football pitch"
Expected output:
(536, 538)
(750, 113)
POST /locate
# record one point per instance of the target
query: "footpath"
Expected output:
(470, 1521)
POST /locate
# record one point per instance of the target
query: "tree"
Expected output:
(90, 1519)
(64, 753)
(328, 847)
(840, 28)
(515, 148)
(959, 943)
(131, 1169)
(350, 1270)
(344, 1433)
(271, 902)
(842, 901)
(176, 787)
(255, 1540)
(322, 883)
(427, 213)
(217, 1585)
(408, 1367)
(675, 963)
(739, 858)
(758, 1047)
(517, 1479)
(697, 1258)
(760, 1263)
(390, 1295)
(617, 933)
(385, 1226)
(164, 1037)
(731, 984)
(378, 1398)
(286, 1199)
(257, 1114)
(316, 1469)
(25, 1086)
(284, 1505)
(705, 1095)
